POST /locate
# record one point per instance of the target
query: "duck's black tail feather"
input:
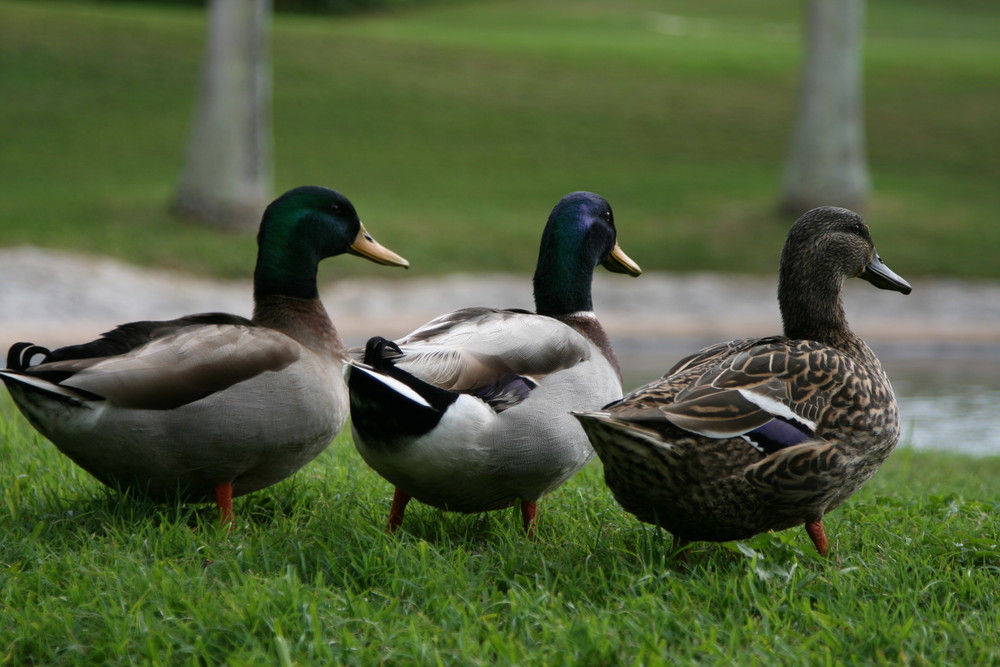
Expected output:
(21, 356)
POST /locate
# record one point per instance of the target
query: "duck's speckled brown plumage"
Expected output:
(672, 450)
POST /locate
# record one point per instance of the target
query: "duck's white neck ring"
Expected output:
(580, 315)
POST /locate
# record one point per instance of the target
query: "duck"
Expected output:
(211, 406)
(762, 434)
(471, 411)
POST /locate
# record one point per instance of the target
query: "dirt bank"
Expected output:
(55, 298)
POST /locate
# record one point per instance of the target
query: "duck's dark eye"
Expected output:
(333, 208)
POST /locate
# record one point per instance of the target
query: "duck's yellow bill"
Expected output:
(619, 262)
(365, 246)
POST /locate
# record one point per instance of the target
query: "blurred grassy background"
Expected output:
(455, 128)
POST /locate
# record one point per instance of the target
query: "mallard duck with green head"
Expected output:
(211, 406)
(762, 434)
(471, 412)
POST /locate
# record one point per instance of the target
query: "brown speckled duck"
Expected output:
(210, 406)
(762, 434)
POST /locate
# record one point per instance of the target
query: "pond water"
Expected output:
(948, 393)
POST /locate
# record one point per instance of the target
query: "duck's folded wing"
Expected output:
(180, 367)
(757, 393)
(712, 412)
(474, 348)
(708, 355)
(127, 337)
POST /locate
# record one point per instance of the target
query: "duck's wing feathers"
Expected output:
(477, 350)
(163, 365)
(773, 393)
(127, 337)
(711, 355)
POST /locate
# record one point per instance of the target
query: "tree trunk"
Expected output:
(227, 172)
(827, 164)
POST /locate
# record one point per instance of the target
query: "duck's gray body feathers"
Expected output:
(210, 406)
(201, 401)
(479, 457)
(471, 412)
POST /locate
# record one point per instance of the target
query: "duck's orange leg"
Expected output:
(224, 499)
(818, 536)
(528, 512)
(399, 500)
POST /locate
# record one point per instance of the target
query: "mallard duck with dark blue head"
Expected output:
(762, 434)
(471, 412)
(210, 406)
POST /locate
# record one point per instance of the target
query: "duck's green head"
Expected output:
(580, 235)
(302, 227)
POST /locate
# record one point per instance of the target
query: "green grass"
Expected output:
(456, 128)
(309, 577)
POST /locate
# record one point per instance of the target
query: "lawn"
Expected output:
(309, 577)
(456, 128)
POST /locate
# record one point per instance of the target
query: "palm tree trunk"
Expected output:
(226, 178)
(827, 164)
